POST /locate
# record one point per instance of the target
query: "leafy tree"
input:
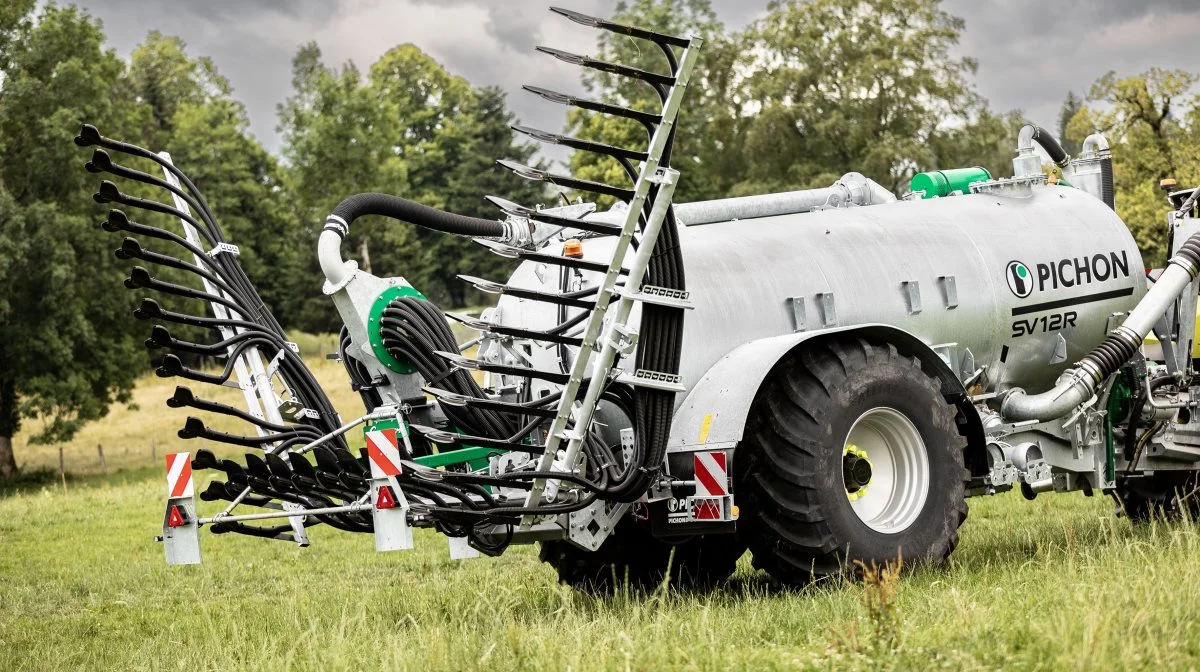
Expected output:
(1152, 122)
(849, 85)
(408, 128)
(193, 115)
(466, 177)
(811, 91)
(709, 119)
(67, 348)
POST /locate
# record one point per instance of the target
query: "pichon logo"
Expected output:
(1065, 273)
(1020, 281)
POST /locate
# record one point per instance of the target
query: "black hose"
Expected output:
(1049, 143)
(373, 203)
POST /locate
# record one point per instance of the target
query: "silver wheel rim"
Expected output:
(899, 484)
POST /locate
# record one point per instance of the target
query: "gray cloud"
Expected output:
(1030, 52)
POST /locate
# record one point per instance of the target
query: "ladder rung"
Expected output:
(661, 296)
(611, 68)
(632, 31)
(668, 382)
(521, 293)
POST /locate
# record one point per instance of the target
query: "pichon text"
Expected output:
(1082, 270)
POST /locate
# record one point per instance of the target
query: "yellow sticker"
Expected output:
(704, 426)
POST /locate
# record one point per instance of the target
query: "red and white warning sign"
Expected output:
(712, 477)
(179, 475)
(384, 453)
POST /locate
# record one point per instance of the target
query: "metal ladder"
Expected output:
(608, 333)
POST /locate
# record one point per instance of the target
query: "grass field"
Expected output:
(1058, 583)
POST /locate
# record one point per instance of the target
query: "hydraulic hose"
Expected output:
(1034, 133)
(1079, 383)
(337, 225)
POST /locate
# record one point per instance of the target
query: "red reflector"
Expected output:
(386, 499)
(175, 517)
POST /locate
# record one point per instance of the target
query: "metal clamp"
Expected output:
(227, 248)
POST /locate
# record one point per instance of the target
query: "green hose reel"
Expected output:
(375, 327)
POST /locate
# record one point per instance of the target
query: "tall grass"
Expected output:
(1058, 583)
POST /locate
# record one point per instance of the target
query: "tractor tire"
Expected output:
(1162, 496)
(808, 508)
(631, 558)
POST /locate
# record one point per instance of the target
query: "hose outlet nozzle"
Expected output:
(170, 366)
(149, 308)
(109, 193)
(101, 162)
(183, 397)
(160, 337)
(130, 249)
(117, 221)
(192, 428)
(139, 278)
(88, 136)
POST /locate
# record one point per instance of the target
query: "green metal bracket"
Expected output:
(375, 325)
(475, 457)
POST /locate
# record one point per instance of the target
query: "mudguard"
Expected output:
(713, 414)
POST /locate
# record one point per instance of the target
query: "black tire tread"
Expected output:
(786, 530)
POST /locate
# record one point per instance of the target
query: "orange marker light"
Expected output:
(573, 248)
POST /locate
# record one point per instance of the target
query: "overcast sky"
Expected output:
(1030, 52)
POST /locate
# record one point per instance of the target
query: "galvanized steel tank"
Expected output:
(981, 277)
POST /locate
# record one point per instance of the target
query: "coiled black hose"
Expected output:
(253, 326)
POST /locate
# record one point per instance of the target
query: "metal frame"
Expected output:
(254, 373)
(614, 320)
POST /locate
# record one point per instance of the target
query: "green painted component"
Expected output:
(938, 183)
(474, 456)
(1118, 407)
(380, 425)
(374, 325)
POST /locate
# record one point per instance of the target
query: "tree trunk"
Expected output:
(8, 426)
(8, 463)
(364, 251)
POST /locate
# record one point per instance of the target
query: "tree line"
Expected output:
(814, 89)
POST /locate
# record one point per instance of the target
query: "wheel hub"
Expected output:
(856, 471)
(885, 470)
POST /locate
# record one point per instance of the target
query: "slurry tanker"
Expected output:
(821, 377)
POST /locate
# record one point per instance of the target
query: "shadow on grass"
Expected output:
(36, 480)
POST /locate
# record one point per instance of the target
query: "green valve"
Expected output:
(375, 327)
(940, 183)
